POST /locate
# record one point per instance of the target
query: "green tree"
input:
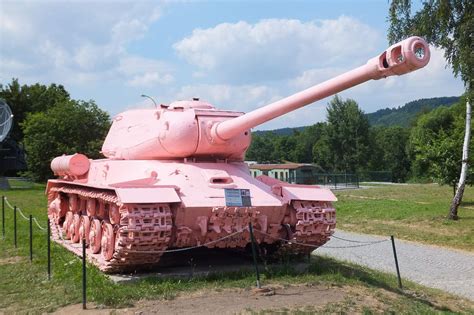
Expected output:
(66, 128)
(388, 151)
(305, 141)
(322, 154)
(285, 148)
(435, 145)
(25, 99)
(262, 148)
(347, 135)
(448, 24)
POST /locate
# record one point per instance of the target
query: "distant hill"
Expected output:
(280, 132)
(400, 116)
(404, 115)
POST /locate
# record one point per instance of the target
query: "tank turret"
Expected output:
(174, 178)
(196, 129)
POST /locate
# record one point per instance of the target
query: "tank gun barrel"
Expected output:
(406, 56)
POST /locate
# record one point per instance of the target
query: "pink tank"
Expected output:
(175, 177)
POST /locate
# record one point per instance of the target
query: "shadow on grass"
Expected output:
(324, 266)
(319, 270)
(467, 203)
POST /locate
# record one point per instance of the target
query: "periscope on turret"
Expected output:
(175, 177)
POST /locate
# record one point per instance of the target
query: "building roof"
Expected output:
(286, 166)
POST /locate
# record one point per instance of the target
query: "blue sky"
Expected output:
(238, 55)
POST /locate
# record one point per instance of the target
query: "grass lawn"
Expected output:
(415, 212)
(24, 287)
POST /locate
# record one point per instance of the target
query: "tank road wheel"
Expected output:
(108, 241)
(101, 210)
(55, 210)
(95, 236)
(84, 229)
(67, 224)
(72, 203)
(76, 224)
(144, 228)
(90, 207)
(114, 214)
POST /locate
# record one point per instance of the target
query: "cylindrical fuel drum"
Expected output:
(71, 165)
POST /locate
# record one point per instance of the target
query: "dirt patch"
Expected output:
(230, 301)
(11, 260)
(305, 298)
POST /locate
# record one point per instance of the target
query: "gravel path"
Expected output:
(448, 270)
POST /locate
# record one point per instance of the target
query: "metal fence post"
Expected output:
(49, 251)
(31, 238)
(3, 217)
(14, 226)
(254, 254)
(396, 262)
(84, 284)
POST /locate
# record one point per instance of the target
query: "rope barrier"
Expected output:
(23, 215)
(290, 242)
(353, 246)
(38, 225)
(316, 246)
(353, 241)
(8, 203)
(188, 248)
(261, 232)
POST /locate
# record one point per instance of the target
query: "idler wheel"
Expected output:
(108, 241)
(114, 214)
(90, 207)
(95, 236)
(55, 209)
(76, 224)
(85, 228)
(67, 225)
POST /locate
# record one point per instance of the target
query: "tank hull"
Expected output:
(131, 212)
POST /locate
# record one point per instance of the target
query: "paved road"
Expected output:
(448, 270)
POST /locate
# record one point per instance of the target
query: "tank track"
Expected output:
(315, 223)
(127, 231)
(127, 237)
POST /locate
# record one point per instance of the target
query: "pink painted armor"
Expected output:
(175, 177)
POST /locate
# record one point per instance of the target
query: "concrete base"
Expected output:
(201, 262)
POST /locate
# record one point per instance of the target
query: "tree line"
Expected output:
(427, 150)
(47, 122)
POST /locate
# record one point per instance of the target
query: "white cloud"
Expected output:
(314, 76)
(73, 42)
(149, 79)
(434, 80)
(145, 72)
(232, 97)
(245, 98)
(236, 66)
(276, 48)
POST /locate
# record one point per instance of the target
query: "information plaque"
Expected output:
(237, 198)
